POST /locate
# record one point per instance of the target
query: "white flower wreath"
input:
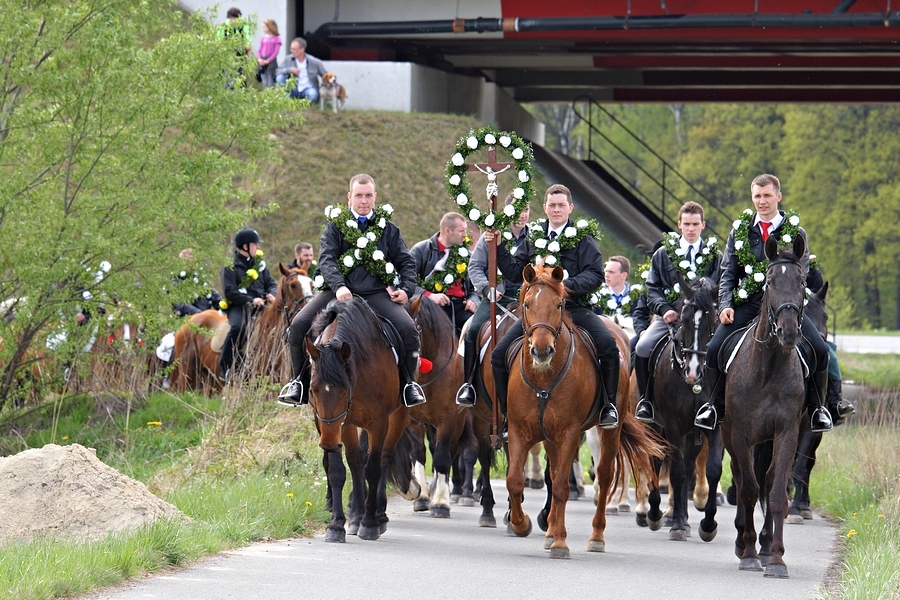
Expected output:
(458, 187)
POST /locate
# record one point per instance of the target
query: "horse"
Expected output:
(443, 418)
(764, 400)
(355, 386)
(198, 341)
(677, 386)
(562, 371)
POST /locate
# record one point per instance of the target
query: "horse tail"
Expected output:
(639, 445)
(762, 459)
(185, 359)
(400, 473)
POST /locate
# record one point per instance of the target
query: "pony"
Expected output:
(355, 386)
(552, 389)
(679, 391)
(196, 355)
(764, 400)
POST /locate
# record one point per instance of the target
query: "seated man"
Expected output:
(305, 67)
(386, 290)
(444, 257)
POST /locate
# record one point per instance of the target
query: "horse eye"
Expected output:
(526, 306)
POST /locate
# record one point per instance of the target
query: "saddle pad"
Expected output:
(218, 339)
(736, 339)
(392, 338)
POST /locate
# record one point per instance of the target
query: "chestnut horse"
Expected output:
(355, 386)
(764, 400)
(557, 362)
(196, 363)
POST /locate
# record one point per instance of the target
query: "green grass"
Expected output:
(880, 371)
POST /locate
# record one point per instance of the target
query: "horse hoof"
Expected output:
(559, 553)
(708, 536)
(806, 514)
(668, 521)
(334, 534)
(612, 510)
(487, 521)
(596, 546)
(663, 489)
(654, 525)
(536, 484)
(720, 499)
(548, 541)
(777, 571)
(522, 532)
(750, 564)
(466, 501)
(506, 518)
(679, 535)
(454, 498)
(369, 533)
(624, 507)
(421, 505)
(794, 520)
(353, 528)
(641, 520)
(765, 559)
(573, 496)
(542, 520)
(440, 512)
(476, 496)
(731, 495)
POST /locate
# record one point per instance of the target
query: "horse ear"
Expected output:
(344, 352)
(558, 274)
(686, 289)
(823, 292)
(312, 349)
(528, 273)
(283, 270)
(771, 248)
(799, 245)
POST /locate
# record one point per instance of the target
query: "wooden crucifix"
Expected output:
(491, 168)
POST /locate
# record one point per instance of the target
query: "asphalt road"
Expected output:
(422, 556)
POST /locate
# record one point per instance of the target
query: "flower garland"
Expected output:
(755, 270)
(548, 250)
(672, 294)
(458, 187)
(604, 300)
(672, 244)
(257, 265)
(364, 245)
(455, 268)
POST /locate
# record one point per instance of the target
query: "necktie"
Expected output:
(363, 221)
(764, 225)
(687, 255)
(552, 235)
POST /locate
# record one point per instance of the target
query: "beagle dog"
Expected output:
(331, 92)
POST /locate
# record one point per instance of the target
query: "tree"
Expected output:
(120, 150)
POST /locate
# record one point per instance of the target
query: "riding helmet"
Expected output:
(246, 236)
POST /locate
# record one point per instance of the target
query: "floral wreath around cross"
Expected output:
(755, 270)
(522, 155)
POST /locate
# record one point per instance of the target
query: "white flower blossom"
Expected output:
(462, 199)
(738, 244)
(680, 251)
(490, 139)
(685, 264)
(523, 176)
(352, 223)
(550, 260)
(507, 235)
(362, 242)
(378, 255)
(742, 294)
(348, 261)
(553, 247)
(758, 277)
(86, 295)
(736, 224)
(474, 214)
(611, 304)
(748, 269)
(565, 274)
(570, 232)
(335, 212)
(518, 153)
(509, 210)
(677, 288)
(371, 235)
(455, 179)
(710, 242)
(581, 224)
(489, 220)
(389, 268)
(182, 274)
(786, 239)
(105, 266)
(794, 220)
(357, 254)
(463, 252)
(448, 278)
(747, 211)
(388, 209)
(472, 142)
(328, 210)
(242, 290)
(645, 274)
(382, 223)
(261, 267)
(319, 281)
(691, 276)
(505, 141)
(541, 243)
(699, 260)
(518, 193)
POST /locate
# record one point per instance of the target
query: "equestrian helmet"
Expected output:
(246, 236)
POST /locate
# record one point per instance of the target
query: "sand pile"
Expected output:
(67, 492)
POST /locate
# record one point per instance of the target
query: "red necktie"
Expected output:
(764, 225)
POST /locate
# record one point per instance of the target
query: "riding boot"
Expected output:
(644, 411)
(816, 389)
(837, 405)
(466, 394)
(413, 394)
(609, 375)
(711, 413)
(296, 391)
(501, 385)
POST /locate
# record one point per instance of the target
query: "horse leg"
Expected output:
(708, 525)
(678, 492)
(804, 461)
(356, 461)
(652, 515)
(544, 515)
(701, 485)
(519, 522)
(560, 457)
(534, 473)
(747, 495)
(485, 458)
(606, 472)
(337, 476)
(784, 448)
(467, 460)
(420, 500)
(440, 496)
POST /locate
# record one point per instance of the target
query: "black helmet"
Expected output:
(246, 236)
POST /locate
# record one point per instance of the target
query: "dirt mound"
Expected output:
(66, 491)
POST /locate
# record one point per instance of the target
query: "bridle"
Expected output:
(680, 351)
(290, 308)
(327, 346)
(772, 314)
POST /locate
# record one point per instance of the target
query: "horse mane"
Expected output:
(704, 298)
(431, 317)
(358, 328)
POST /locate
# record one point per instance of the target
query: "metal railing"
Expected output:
(661, 199)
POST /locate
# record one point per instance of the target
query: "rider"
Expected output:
(335, 252)
(304, 258)
(693, 257)
(247, 286)
(440, 258)
(583, 266)
(507, 292)
(735, 311)
(209, 297)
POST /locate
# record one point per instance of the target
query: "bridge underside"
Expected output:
(663, 51)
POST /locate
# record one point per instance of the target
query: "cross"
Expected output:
(491, 168)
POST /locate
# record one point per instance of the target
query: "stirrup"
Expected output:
(645, 412)
(612, 418)
(292, 393)
(820, 421)
(413, 388)
(845, 408)
(707, 412)
(463, 398)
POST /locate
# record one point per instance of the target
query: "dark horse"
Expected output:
(764, 400)
(678, 389)
(552, 397)
(355, 386)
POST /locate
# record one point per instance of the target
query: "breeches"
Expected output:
(647, 342)
(482, 314)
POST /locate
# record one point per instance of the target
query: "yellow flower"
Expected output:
(308, 503)
(438, 287)
(290, 494)
(252, 274)
(880, 516)
(461, 267)
(154, 423)
(259, 253)
(65, 437)
(223, 304)
(851, 533)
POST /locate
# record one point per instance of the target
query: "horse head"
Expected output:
(294, 291)
(815, 310)
(785, 292)
(698, 324)
(543, 304)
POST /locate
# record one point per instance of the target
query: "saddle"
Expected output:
(736, 339)
(218, 337)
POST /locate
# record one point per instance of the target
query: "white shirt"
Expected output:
(302, 76)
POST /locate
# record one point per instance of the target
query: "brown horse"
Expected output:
(557, 362)
(764, 400)
(355, 385)
(444, 417)
(196, 355)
